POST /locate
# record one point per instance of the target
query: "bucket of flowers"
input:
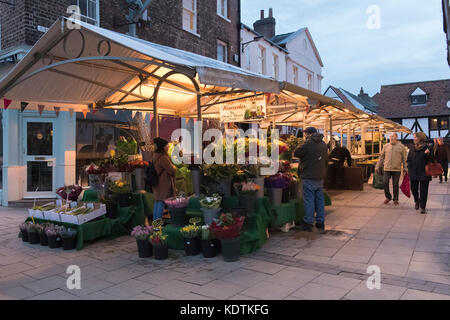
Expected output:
(227, 229)
(159, 241)
(69, 238)
(142, 236)
(177, 209)
(33, 233)
(43, 239)
(210, 207)
(247, 192)
(24, 231)
(122, 190)
(53, 233)
(209, 244)
(191, 238)
(275, 185)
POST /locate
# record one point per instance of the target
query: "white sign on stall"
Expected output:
(243, 110)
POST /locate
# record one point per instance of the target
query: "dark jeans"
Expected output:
(444, 165)
(422, 198)
(395, 182)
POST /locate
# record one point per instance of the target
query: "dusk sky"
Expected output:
(408, 47)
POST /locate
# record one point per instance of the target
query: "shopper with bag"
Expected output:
(418, 158)
(442, 155)
(392, 159)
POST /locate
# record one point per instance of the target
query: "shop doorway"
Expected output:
(39, 158)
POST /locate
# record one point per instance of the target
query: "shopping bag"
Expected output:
(405, 187)
(370, 179)
(433, 169)
(378, 181)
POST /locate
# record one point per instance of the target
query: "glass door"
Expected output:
(39, 158)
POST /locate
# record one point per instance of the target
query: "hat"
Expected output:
(160, 143)
(310, 130)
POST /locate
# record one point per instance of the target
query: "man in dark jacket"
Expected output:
(312, 170)
(338, 156)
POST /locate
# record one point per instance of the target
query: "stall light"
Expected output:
(170, 89)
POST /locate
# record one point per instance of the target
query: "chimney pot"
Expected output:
(262, 14)
(270, 13)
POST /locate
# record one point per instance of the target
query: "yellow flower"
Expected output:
(112, 153)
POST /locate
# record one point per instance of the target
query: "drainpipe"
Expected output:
(134, 14)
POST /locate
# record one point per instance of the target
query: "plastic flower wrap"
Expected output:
(142, 232)
(180, 201)
(206, 233)
(278, 180)
(53, 230)
(69, 192)
(227, 226)
(212, 202)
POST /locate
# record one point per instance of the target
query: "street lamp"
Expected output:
(245, 44)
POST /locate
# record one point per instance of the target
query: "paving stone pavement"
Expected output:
(412, 251)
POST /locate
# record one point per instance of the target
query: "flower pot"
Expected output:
(192, 246)
(178, 216)
(144, 248)
(54, 242)
(210, 214)
(276, 196)
(286, 195)
(112, 210)
(161, 252)
(231, 249)
(69, 243)
(196, 175)
(248, 201)
(225, 187)
(140, 178)
(24, 233)
(33, 237)
(209, 248)
(43, 239)
(124, 199)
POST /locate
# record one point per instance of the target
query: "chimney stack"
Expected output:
(266, 26)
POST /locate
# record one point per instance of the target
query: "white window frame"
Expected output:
(225, 52)
(261, 60)
(276, 66)
(194, 13)
(310, 81)
(89, 19)
(295, 75)
(223, 8)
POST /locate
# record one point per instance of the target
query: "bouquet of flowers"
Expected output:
(158, 238)
(278, 180)
(285, 166)
(212, 202)
(138, 164)
(206, 233)
(126, 147)
(227, 226)
(53, 230)
(69, 192)
(120, 186)
(94, 169)
(142, 232)
(180, 201)
(246, 187)
(190, 231)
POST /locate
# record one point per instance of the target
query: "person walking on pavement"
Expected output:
(442, 154)
(419, 156)
(392, 159)
(338, 156)
(313, 156)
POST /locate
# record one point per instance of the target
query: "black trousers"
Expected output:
(419, 189)
(395, 183)
(339, 174)
(444, 165)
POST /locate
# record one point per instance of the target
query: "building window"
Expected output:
(190, 15)
(418, 97)
(89, 10)
(295, 75)
(261, 60)
(222, 51)
(276, 67)
(439, 123)
(310, 81)
(222, 8)
(319, 83)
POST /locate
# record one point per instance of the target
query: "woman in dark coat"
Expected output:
(419, 156)
(166, 177)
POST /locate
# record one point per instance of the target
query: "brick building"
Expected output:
(420, 106)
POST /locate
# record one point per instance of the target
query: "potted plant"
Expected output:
(210, 207)
(69, 238)
(275, 185)
(159, 241)
(177, 209)
(24, 231)
(33, 233)
(209, 245)
(142, 235)
(43, 239)
(54, 236)
(190, 235)
(122, 190)
(227, 229)
(246, 192)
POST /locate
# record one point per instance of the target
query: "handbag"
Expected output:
(433, 169)
(405, 186)
(378, 181)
